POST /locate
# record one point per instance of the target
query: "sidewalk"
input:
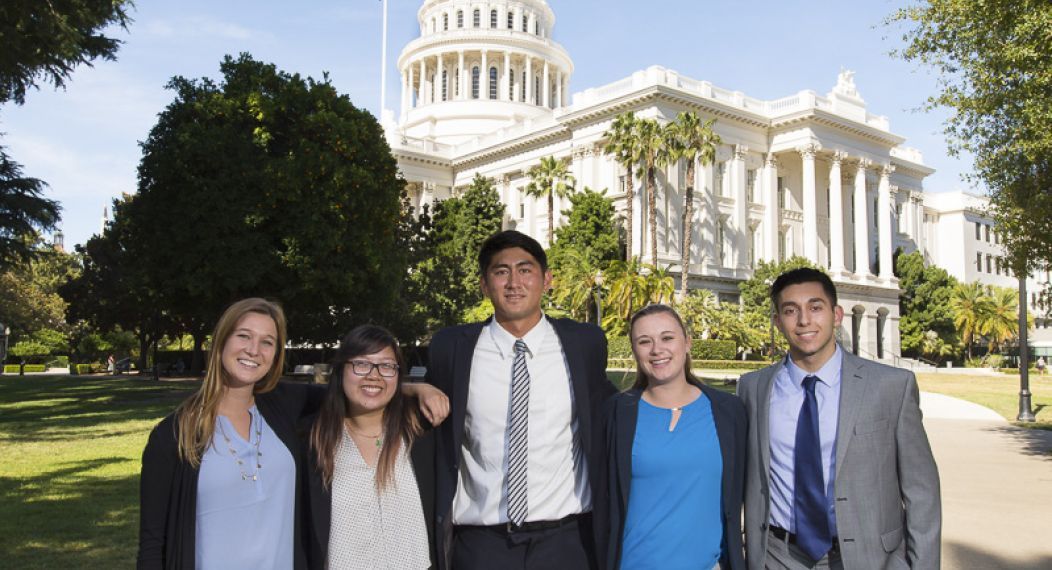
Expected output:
(996, 487)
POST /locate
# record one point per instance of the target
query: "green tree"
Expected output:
(924, 305)
(24, 211)
(690, 139)
(650, 154)
(632, 286)
(29, 301)
(621, 145)
(756, 310)
(1002, 318)
(591, 232)
(550, 178)
(970, 306)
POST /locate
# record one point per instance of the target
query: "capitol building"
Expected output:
(485, 90)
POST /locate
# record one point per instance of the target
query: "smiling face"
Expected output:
(660, 348)
(371, 391)
(515, 283)
(808, 320)
(248, 353)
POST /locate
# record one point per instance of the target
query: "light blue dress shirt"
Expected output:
(244, 523)
(787, 395)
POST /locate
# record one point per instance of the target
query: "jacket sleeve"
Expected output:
(918, 482)
(159, 466)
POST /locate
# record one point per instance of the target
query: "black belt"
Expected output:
(528, 526)
(784, 535)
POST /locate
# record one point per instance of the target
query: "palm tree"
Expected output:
(969, 304)
(692, 140)
(649, 152)
(633, 285)
(549, 178)
(1002, 319)
(620, 143)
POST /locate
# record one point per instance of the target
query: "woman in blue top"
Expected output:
(676, 459)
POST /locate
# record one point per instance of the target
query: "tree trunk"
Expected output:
(144, 350)
(629, 207)
(551, 217)
(688, 230)
(652, 214)
(197, 362)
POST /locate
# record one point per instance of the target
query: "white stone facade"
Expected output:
(807, 174)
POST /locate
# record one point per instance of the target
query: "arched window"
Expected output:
(525, 22)
(493, 83)
(476, 18)
(460, 18)
(493, 18)
(511, 20)
(445, 84)
(445, 22)
(475, 82)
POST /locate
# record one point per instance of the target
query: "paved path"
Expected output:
(996, 487)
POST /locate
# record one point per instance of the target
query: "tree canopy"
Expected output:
(924, 305)
(24, 212)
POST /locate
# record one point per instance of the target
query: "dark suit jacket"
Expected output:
(318, 511)
(621, 414)
(451, 352)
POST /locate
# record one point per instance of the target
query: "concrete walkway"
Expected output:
(996, 487)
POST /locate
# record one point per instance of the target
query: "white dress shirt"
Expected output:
(557, 480)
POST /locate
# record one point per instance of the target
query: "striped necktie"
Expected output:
(518, 436)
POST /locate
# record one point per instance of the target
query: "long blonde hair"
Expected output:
(196, 416)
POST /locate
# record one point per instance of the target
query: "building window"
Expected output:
(511, 20)
(476, 18)
(493, 18)
(717, 181)
(445, 22)
(750, 185)
(525, 22)
(475, 82)
(989, 263)
(522, 211)
(511, 85)
(536, 27)
(522, 92)
(987, 233)
(493, 83)
(621, 184)
(445, 84)
(460, 18)
(536, 90)
(978, 262)
(719, 242)
(781, 192)
(456, 83)
(431, 83)
(978, 231)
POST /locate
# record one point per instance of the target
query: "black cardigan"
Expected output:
(611, 504)
(168, 485)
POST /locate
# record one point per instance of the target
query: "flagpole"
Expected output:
(383, 65)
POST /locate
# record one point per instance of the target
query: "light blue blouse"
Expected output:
(241, 522)
(674, 519)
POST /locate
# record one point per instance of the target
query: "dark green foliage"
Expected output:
(24, 211)
(756, 290)
(925, 302)
(709, 349)
(619, 347)
(591, 232)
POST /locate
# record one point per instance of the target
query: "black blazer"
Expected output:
(621, 414)
(318, 511)
(168, 486)
(449, 369)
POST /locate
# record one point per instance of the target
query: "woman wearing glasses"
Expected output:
(365, 503)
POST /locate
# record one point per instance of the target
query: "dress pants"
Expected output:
(783, 555)
(568, 547)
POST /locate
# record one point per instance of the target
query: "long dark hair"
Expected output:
(642, 380)
(401, 425)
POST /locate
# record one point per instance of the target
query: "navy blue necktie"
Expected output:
(810, 504)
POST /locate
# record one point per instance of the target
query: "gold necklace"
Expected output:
(233, 452)
(378, 437)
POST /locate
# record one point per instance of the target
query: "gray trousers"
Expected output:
(781, 555)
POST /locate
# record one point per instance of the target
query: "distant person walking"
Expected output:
(1041, 365)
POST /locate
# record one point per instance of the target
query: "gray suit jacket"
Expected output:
(886, 494)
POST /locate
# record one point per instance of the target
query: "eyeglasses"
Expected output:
(364, 368)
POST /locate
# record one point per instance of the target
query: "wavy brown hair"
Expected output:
(400, 422)
(642, 380)
(196, 416)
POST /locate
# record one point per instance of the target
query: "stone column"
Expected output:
(771, 214)
(546, 86)
(741, 206)
(505, 87)
(484, 78)
(421, 98)
(558, 88)
(405, 93)
(460, 75)
(529, 80)
(411, 81)
(836, 215)
(861, 221)
(810, 193)
(443, 85)
(884, 229)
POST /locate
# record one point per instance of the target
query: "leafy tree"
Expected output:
(970, 307)
(924, 305)
(690, 139)
(621, 144)
(24, 211)
(47, 40)
(756, 309)
(632, 286)
(28, 291)
(549, 178)
(591, 232)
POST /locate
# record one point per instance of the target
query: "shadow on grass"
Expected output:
(34, 409)
(1036, 442)
(69, 518)
(960, 555)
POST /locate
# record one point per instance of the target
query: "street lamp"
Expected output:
(1026, 412)
(599, 297)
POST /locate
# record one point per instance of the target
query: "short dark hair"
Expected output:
(798, 276)
(508, 239)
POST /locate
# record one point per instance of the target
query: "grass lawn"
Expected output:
(999, 393)
(69, 479)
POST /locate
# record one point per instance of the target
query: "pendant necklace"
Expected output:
(378, 437)
(233, 452)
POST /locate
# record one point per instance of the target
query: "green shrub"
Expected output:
(708, 349)
(90, 368)
(14, 368)
(61, 361)
(619, 347)
(10, 369)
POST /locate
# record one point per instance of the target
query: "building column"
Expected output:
(405, 93)
(545, 97)
(529, 79)
(421, 99)
(505, 87)
(460, 76)
(884, 229)
(558, 88)
(836, 216)
(861, 221)
(771, 214)
(443, 85)
(709, 214)
(810, 193)
(741, 206)
(484, 77)
(412, 80)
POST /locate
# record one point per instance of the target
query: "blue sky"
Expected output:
(83, 141)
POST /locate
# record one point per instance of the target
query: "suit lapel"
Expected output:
(463, 354)
(852, 394)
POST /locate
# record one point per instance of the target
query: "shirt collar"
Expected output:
(828, 374)
(505, 341)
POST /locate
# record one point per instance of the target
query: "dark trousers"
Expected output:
(568, 547)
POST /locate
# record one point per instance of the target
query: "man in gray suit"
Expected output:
(839, 471)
